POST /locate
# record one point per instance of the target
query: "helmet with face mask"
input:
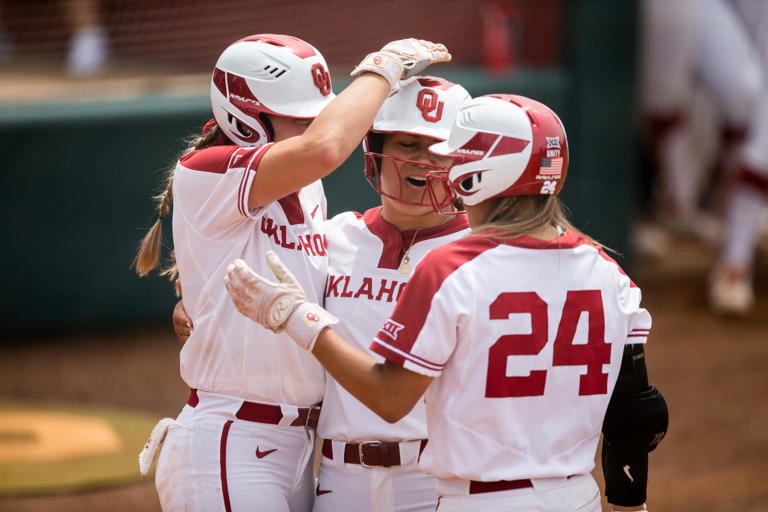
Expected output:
(504, 145)
(423, 106)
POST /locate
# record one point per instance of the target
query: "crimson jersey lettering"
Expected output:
(365, 289)
(388, 290)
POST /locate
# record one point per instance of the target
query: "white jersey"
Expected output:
(364, 283)
(228, 353)
(525, 339)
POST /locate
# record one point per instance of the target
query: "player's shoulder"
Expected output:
(447, 258)
(468, 245)
(343, 219)
(601, 252)
(217, 159)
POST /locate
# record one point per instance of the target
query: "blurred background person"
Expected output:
(720, 44)
(88, 47)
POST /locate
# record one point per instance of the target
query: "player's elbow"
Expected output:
(394, 404)
(391, 412)
(325, 153)
(399, 390)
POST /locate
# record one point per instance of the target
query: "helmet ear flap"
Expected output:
(472, 182)
(267, 125)
(373, 143)
(248, 135)
(242, 129)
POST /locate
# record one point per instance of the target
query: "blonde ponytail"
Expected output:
(149, 251)
(148, 255)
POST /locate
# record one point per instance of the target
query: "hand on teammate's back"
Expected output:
(182, 324)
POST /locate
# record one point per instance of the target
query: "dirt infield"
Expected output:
(711, 370)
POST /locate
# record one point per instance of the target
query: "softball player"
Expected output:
(679, 48)
(526, 337)
(368, 464)
(251, 186)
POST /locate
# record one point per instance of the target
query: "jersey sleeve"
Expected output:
(638, 318)
(214, 185)
(420, 335)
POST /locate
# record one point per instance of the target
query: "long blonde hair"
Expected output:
(511, 217)
(148, 255)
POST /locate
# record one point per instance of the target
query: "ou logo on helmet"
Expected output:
(321, 78)
(427, 102)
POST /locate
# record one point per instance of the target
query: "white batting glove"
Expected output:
(149, 453)
(402, 59)
(278, 305)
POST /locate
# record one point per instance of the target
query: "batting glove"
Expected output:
(278, 306)
(403, 59)
(149, 453)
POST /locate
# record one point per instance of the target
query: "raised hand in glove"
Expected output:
(278, 306)
(403, 59)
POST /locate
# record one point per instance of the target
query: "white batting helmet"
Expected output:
(505, 145)
(424, 105)
(267, 74)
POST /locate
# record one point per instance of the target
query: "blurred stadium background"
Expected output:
(85, 149)
(84, 154)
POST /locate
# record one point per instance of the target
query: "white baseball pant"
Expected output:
(345, 484)
(214, 460)
(577, 494)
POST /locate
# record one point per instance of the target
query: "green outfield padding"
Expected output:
(61, 449)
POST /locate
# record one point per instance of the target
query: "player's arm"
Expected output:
(635, 423)
(298, 161)
(386, 388)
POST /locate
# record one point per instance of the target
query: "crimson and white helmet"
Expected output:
(267, 74)
(424, 105)
(505, 145)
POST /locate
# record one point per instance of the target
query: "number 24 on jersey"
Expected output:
(594, 354)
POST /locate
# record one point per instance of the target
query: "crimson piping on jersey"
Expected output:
(393, 239)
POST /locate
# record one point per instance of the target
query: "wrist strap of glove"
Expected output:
(382, 63)
(306, 323)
